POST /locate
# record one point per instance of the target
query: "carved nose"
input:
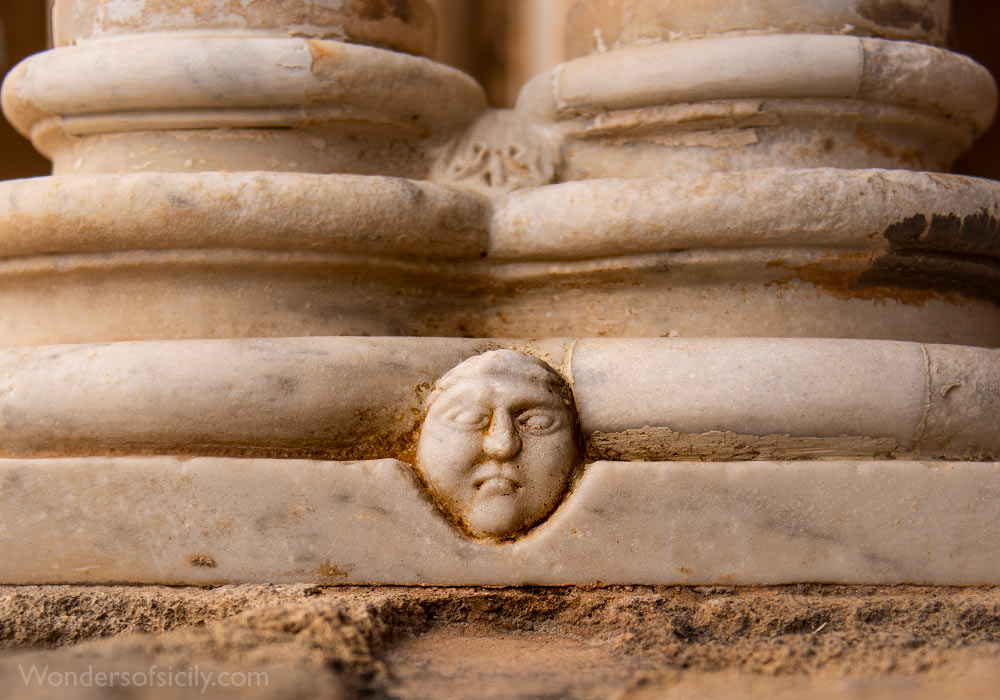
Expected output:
(502, 439)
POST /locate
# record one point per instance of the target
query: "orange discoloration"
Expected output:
(911, 157)
(202, 560)
(853, 276)
(319, 49)
(328, 570)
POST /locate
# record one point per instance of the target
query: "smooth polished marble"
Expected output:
(204, 521)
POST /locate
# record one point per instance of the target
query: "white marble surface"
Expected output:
(166, 520)
(752, 387)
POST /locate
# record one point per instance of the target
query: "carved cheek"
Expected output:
(547, 459)
(446, 458)
(559, 447)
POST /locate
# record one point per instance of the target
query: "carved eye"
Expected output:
(469, 418)
(538, 421)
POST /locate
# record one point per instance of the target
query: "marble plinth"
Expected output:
(208, 521)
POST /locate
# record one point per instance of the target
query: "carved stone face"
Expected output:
(498, 444)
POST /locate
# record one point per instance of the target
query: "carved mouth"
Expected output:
(496, 485)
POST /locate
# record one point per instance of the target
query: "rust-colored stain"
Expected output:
(374, 444)
(944, 257)
(976, 234)
(845, 285)
(911, 157)
(658, 443)
(945, 253)
(378, 443)
(319, 50)
(328, 570)
(202, 560)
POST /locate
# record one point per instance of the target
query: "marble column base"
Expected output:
(214, 520)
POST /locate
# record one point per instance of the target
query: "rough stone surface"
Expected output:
(630, 642)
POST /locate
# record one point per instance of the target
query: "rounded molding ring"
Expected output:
(359, 398)
(131, 82)
(382, 216)
(763, 67)
(574, 221)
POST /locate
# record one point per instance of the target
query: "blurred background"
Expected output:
(502, 43)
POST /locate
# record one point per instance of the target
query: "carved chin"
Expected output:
(496, 516)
